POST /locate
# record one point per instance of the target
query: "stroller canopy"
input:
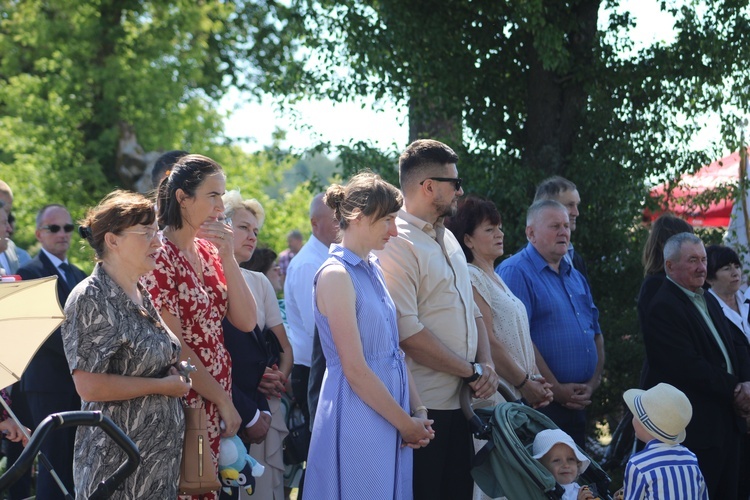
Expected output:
(505, 467)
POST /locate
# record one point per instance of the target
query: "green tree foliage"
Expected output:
(260, 176)
(73, 74)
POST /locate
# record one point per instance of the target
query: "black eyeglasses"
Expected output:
(53, 228)
(455, 180)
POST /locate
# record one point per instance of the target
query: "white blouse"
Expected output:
(739, 320)
(269, 314)
(510, 321)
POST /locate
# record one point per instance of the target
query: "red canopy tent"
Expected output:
(681, 199)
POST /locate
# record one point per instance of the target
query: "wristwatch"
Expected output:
(477, 373)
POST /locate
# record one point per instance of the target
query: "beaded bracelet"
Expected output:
(526, 379)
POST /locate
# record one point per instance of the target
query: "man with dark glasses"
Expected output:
(47, 382)
(440, 327)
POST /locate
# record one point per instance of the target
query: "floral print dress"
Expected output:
(4, 414)
(106, 332)
(200, 306)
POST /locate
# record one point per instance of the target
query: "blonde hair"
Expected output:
(366, 193)
(233, 201)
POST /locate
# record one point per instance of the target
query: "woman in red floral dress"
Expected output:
(197, 282)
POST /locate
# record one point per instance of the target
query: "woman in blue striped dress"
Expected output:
(369, 414)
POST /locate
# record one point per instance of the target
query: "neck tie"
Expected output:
(68, 274)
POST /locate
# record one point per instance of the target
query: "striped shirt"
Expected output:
(664, 471)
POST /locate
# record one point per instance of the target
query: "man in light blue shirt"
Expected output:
(298, 295)
(563, 320)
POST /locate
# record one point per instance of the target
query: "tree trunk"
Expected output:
(556, 102)
(434, 119)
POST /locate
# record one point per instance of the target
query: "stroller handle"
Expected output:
(106, 488)
(479, 428)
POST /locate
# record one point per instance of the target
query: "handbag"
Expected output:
(273, 347)
(197, 472)
(297, 442)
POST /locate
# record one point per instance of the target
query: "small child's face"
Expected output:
(561, 461)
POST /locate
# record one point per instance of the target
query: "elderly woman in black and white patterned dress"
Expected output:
(122, 356)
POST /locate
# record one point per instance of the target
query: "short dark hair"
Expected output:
(718, 256)
(118, 211)
(472, 211)
(421, 155)
(163, 163)
(187, 174)
(551, 187)
(261, 260)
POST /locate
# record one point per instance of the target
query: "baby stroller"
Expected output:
(106, 488)
(504, 467)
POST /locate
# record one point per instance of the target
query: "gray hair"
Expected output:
(538, 206)
(673, 246)
(233, 201)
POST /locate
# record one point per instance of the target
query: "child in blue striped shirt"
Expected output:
(664, 469)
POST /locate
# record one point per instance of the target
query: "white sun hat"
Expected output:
(545, 440)
(663, 410)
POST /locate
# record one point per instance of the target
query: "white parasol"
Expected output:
(29, 312)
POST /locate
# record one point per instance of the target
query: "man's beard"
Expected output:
(448, 209)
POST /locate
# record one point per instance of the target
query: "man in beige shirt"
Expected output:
(439, 324)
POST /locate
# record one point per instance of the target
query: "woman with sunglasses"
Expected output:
(197, 282)
(122, 356)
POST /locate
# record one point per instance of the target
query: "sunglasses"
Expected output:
(54, 228)
(455, 180)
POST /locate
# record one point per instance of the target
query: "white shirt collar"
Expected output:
(53, 258)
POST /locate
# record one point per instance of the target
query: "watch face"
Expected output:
(478, 369)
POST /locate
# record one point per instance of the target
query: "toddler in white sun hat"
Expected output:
(664, 469)
(558, 453)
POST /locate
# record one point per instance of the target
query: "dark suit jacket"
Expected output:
(249, 359)
(580, 265)
(682, 351)
(649, 287)
(48, 370)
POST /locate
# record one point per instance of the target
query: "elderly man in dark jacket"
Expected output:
(689, 345)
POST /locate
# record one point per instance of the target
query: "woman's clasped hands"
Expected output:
(273, 382)
(418, 432)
